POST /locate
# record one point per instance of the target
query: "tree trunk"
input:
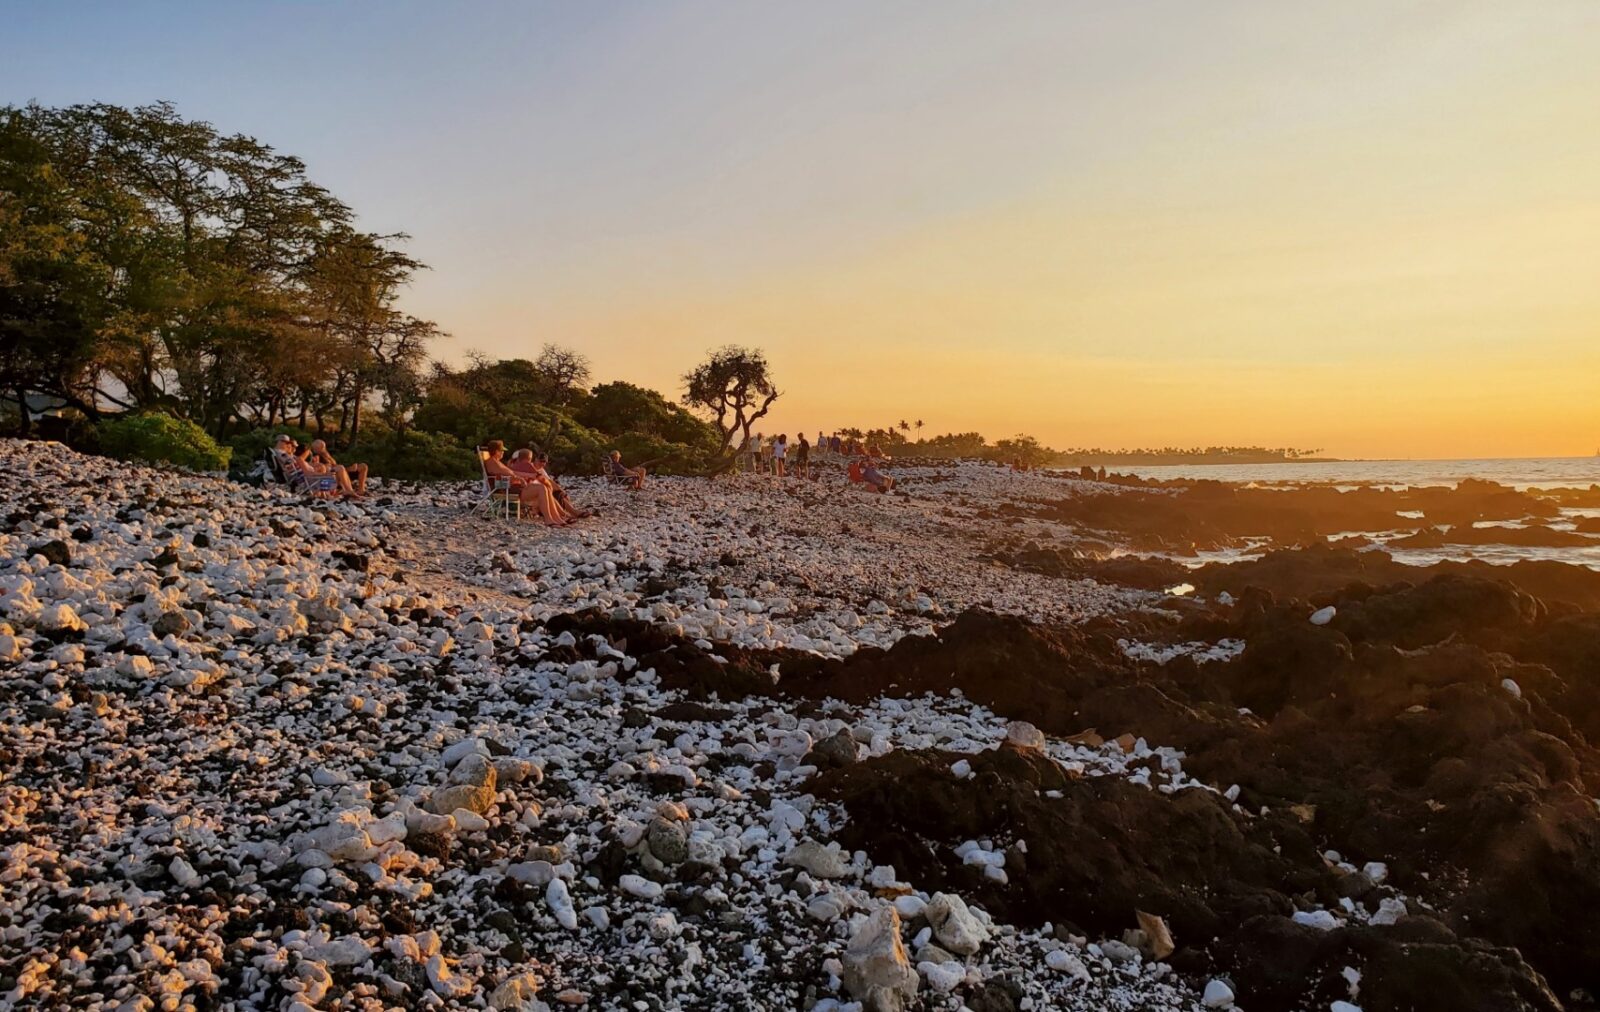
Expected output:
(355, 415)
(24, 420)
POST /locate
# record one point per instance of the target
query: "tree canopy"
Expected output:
(734, 387)
(152, 262)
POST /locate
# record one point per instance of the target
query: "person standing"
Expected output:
(758, 462)
(802, 457)
(780, 451)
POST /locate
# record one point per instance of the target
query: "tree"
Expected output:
(918, 424)
(165, 265)
(563, 372)
(734, 387)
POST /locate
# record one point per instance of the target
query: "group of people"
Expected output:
(527, 478)
(314, 468)
(762, 458)
(775, 458)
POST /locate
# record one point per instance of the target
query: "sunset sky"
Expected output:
(1371, 227)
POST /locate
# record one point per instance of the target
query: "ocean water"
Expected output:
(1522, 473)
(1518, 472)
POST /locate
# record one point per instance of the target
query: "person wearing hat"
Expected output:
(535, 497)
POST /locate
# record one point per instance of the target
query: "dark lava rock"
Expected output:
(1103, 849)
(56, 552)
(834, 751)
(686, 711)
(360, 562)
(171, 623)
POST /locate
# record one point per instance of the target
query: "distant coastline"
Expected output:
(1071, 460)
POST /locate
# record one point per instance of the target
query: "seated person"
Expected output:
(633, 475)
(278, 457)
(533, 495)
(352, 477)
(533, 467)
(303, 473)
(541, 460)
(853, 472)
(875, 479)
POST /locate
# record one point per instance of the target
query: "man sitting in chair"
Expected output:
(352, 477)
(633, 475)
(293, 463)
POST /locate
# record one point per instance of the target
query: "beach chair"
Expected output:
(499, 498)
(298, 479)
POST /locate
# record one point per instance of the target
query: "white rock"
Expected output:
(817, 860)
(182, 872)
(1322, 616)
(1217, 994)
(1322, 920)
(954, 924)
(910, 906)
(876, 958)
(943, 977)
(346, 950)
(1065, 962)
(638, 885)
(536, 873)
(560, 903)
(516, 994)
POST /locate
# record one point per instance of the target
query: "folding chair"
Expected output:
(499, 498)
(318, 486)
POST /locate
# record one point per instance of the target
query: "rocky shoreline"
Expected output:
(739, 745)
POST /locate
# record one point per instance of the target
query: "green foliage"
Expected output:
(618, 408)
(154, 262)
(156, 438)
(1025, 449)
(417, 456)
(506, 400)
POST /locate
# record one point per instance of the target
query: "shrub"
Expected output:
(156, 438)
(416, 456)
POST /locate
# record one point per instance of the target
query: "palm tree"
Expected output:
(918, 424)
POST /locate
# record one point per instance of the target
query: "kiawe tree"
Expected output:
(734, 387)
(563, 373)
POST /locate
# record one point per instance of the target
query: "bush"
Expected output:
(162, 439)
(416, 456)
